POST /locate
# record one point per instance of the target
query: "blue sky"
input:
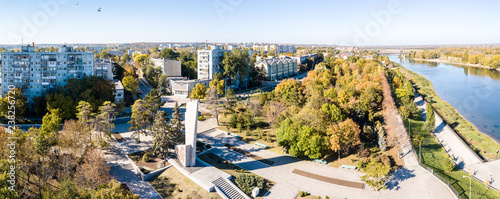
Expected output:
(410, 22)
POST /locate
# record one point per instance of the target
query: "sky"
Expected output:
(356, 22)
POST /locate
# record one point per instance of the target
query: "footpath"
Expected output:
(464, 157)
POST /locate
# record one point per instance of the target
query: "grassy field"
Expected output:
(479, 142)
(173, 184)
(433, 155)
(269, 132)
(232, 169)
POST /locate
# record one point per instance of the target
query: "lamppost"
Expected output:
(470, 185)
(497, 153)
(419, 150)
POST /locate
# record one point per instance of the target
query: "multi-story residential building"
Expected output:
(169, 67)
(119, 92)
(302, 58)
(209, 62)
(273, 47)
(277, 68)
(104, 68)
(183, 87)
(38, 72)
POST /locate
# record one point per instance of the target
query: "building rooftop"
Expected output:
(118, 85)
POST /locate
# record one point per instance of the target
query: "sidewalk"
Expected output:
(410, 181)
(466, 159)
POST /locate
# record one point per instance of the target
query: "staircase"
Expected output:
(228, 189)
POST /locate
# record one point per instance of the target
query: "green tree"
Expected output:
(247, 182)
(107, 114)
(199, 91)
(290, 91)
(332, 112)
(140, 58)
(176, 122)
(130, 83)
(376, 175)
(84, 112)
(14, 98)
(382, 142)
(300, 140)
(63, 102)
(168, 53)
(236, 65)
(164, 138)
(139, 120)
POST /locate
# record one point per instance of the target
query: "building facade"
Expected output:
(277, 68)
(210, 62)
(182, 87)
(302, 58)
(169, 67)
(104, 68)
(273, 47)
(38, 72)
(119, 92)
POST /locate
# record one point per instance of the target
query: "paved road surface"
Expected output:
(409, 182)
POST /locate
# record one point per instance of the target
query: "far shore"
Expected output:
(457, 63)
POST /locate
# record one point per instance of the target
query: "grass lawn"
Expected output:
(233, 170)
(479, 142)
(173, 184)
(269, 132)
(433, 155)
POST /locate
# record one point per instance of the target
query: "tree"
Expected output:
(300, 140)
(199, 91)
(94, 90)
(94, 171)
(14, 98)
(382, 142)
(376, 175)
(62, 102)
(168, 53)
(164, 138)
(332, 112)
(431, 118)
(140, 58)
(107, 114)
(130, 83)
(51, 123)
(83, 112)
(247, 182)
(213, 102)
(236, 65)
(290, 91)
(153, 101)
(113, 189)
(139, 120)
(176, 122)
(126, 57)
(343, 135)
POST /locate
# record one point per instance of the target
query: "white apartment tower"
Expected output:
(209, 62)
(104, 68)
(38, 72)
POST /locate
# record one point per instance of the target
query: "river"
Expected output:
(474, 92)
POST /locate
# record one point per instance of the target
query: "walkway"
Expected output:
(410, 181)
(466, 159)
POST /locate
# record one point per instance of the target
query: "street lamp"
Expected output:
(419, 150)
(470, 185)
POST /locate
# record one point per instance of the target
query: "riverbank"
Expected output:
(457, 63)
(482, 144)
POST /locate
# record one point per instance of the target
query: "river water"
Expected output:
(474, 92)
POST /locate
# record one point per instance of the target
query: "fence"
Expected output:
(431, 171)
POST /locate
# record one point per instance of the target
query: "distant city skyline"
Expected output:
(359, 23)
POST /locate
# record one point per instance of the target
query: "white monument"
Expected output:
(186, 153)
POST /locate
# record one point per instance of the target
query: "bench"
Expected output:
(236, 136)
(349, 167)
(261, 145)
(320, 161)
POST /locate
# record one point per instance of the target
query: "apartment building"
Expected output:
(277, 68)
(209, 62)
(104, 68)
(273, 47)
(38, 72)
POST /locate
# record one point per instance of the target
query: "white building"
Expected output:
(104, 68)
(119, 92)
(209, 62)
(182, 87)
(273, 47)
(302, 58)
(277, 68)
(169, 67)
(38, 72)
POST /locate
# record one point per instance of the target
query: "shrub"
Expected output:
(247, 182)
(233, 121)
(302, 194)
(449, 165)
(145, 158)
(238, 126)
(134, 158)
(201, 118)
